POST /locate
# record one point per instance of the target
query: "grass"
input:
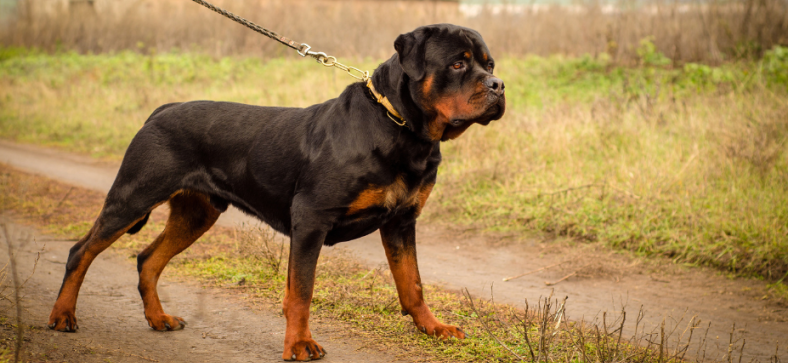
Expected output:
(686, 163)
(361, 301)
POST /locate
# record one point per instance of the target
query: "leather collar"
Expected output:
(392, 113)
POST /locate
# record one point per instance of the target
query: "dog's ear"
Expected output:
(410, 49)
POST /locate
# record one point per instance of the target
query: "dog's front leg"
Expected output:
(399, 240)
(305, 244)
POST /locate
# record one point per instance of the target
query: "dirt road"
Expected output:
(601, 280)
(112, 326)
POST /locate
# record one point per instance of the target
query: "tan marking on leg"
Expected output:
(424, 193)
(404, 268)
(299, 344)
(191, 215)
(63, 315)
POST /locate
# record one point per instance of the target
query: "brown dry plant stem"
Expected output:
(17, 294)
(548, 283)
(531, 272)
(59, 204)
(468, 296)
(261, 243)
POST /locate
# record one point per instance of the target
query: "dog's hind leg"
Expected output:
(191, 215)
(107, 229)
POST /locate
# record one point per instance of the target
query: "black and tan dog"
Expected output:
(324, 174)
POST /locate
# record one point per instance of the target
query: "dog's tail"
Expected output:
(160, 109)
(137, 227)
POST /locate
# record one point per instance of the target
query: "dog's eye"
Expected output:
(490, 67)
(458, 65)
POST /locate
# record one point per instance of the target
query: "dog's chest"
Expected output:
(391, 198)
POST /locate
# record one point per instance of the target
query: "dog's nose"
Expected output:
(495, 84)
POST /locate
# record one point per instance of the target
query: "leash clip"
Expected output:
(331, 61)
(306, 48)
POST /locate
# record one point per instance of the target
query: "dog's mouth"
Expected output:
(457, 126)
(493, 111)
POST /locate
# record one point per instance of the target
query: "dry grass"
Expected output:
(685, 163)
(701, 180)
(683, 31)
(363, 302)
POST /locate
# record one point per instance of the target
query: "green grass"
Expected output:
(348, 297)
(686, 163)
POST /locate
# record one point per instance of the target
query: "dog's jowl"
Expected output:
(323, 174)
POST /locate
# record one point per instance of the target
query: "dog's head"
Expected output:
(441, 80)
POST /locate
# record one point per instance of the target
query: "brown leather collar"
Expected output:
(392, 113)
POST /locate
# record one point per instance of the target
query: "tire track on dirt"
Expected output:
(477, 263)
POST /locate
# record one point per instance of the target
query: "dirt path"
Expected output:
(603, 280)
(112, 326)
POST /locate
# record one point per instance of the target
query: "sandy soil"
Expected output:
(112, 327)
(603, 280)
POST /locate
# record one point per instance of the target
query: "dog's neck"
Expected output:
(392, 112)
(392, 83)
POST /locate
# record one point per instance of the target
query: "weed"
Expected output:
(648, 55)
(261, 243)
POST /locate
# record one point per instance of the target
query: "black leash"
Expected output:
(303, 49)
(271, 34)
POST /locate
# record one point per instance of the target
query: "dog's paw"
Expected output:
(442, 331)
(165, 322)
(303, 351)
(65, 321)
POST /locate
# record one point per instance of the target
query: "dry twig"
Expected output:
(17, 297)
(531, 272)
(467, 295)
(548, 283)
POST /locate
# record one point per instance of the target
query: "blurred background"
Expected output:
(654, 126)
(683, 30)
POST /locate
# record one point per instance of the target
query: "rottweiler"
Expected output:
(323, 174)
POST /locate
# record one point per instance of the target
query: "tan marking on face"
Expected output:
(390, 196)
(485, 57)
(466, 54)
(426, 87)
(447, 109)
(456, 106)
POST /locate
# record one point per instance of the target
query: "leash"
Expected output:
(304, 50)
